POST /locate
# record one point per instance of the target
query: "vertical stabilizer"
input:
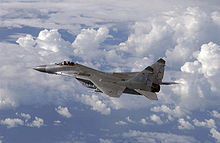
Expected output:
(142, 80)
(158, 69)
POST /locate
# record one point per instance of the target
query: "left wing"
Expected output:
(109, 88)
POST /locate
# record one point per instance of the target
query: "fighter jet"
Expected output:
(145, 83)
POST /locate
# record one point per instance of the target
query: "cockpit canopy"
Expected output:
(66, 63)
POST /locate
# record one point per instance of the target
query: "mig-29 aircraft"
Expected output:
(145, 83)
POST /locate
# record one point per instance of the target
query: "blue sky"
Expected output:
(109, 36)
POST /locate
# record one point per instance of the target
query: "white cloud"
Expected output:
(6, 98)
(216, 17)
(216, 114)
(121, 123)
(25, 116)
(27, 41)
(145, 39)
(207, 60)
(27, 89)
(37, 122)
(191, 67)
(105, 140)
(48, 41)
(63, 111)
(143, 121)
(88, 41)
(14, 122)
(41, 14)
(177, 112)
(130, 120)
(208, 64)
(200, 79)
(207, 123)
(170, 118)
(10, 123)
(185, 124)
(96, 103)
(57, 122)
(152, 137)
(215, 134)
(156, 119)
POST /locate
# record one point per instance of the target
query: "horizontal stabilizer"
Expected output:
(149, 95)
(168, 83)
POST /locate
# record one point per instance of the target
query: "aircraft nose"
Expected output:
(41, 68)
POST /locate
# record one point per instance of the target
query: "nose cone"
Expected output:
(40, 68)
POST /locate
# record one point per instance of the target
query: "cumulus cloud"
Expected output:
(27, 41)
(177, 112)
(15, 122)
(6, 99)
(130, 120)
(207, 63)
(31, 52)
(101, 140)
(48, 41)
(215, 134)
(207, 123)
(37, 122)
(96, 103)
(216, 114)
(25, 116)
(63, 111)
(88, 41)
(152, 137)
(143, 121)
(145, 39)
(184, 124)
(201, 81)
(121, 123)
(156, 119)
(57, 122)
(12, 122)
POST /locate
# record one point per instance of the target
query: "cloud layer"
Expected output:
(115, 36)
(144, 45)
